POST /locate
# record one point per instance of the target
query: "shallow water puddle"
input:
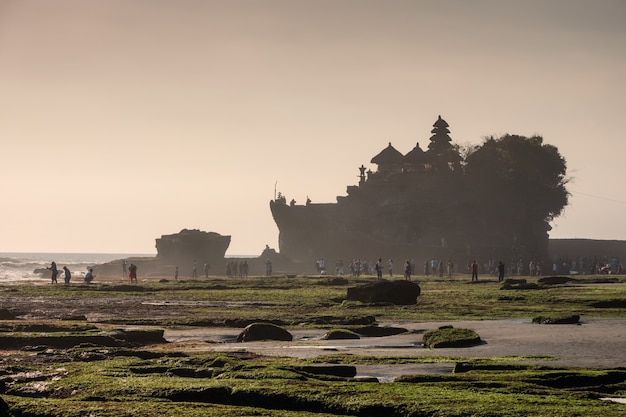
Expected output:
(615, 400)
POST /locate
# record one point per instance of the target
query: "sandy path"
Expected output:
(596, 343)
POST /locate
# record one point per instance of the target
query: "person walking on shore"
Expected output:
(500, 271)
(132, 273)
(407, 270)
(123, 268)
(68, 275)
(379, 269)
(54, 270)
(474, 271)
(450, 267)
(89, 276)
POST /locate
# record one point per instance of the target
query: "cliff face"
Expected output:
(406, 216)
(400, 216)
(189, 245)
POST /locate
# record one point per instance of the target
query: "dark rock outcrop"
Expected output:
(189, 245)
(395, 292)
(263, 331)
(424, 202)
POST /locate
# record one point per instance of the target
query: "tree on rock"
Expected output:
(518, 188)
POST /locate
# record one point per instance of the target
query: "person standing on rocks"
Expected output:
(54, 270)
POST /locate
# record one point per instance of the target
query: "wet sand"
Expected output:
(595, 343)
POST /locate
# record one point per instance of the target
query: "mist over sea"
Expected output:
(18, 268)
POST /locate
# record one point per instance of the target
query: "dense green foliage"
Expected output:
(518, 185)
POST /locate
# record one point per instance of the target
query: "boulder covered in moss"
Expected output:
(378, 331)
(340, 334)
(617, 303)
(557, 319)
(345, 371)
(263, 331)
(448, 336)
(6, 314)
(555, 280)
(400, 292)
(518, 284)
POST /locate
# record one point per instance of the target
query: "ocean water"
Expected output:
(19, 268)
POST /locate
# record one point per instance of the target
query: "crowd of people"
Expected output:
(237, 269)
(432, 267)
(67, 274)
(441, 268)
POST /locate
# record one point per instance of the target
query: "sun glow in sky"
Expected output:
(124, 120)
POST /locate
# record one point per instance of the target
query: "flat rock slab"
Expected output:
(595, 343)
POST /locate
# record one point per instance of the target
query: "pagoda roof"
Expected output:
(416, 155)
(389, 155)
(441, 123)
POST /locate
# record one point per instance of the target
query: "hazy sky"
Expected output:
(122, 120)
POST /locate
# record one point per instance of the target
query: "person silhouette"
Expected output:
(54, 270)
(68, 275)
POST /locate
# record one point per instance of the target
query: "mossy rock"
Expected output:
(610, 304)
(552, 280)
(6, 314)
(560, 319)
(511, 285)
(142, 336)
(263, 331)
(377, 331)
(449, 336)
(345, 371)
(340, 334)
(334, 281)
(398, 292)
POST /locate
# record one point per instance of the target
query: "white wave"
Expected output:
(17, 268)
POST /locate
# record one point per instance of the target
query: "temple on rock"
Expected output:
(413, 206)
